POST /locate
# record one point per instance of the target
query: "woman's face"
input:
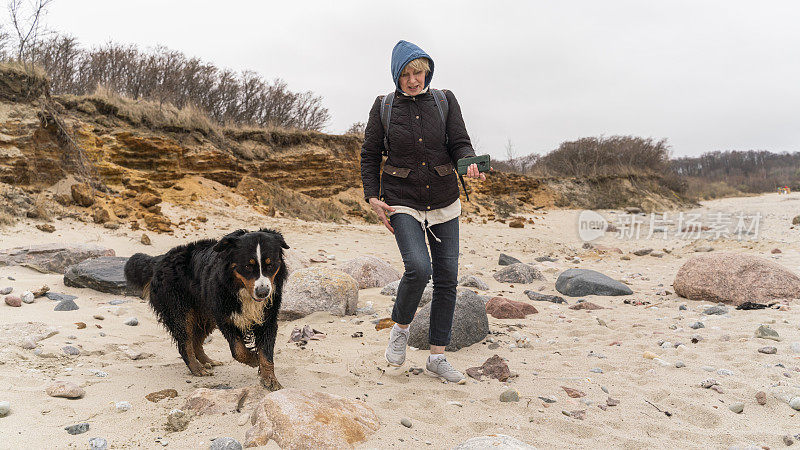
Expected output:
(412, 81)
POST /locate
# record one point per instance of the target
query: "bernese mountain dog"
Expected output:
(233, 284)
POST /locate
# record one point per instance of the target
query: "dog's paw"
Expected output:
(214, 362)
(271, 384)
(201, 371)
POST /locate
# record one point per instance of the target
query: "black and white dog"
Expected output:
(233, 284)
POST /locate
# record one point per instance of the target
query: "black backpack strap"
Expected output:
(386, 118)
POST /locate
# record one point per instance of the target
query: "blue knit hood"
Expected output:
(403, 53)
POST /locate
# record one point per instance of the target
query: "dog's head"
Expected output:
(255, 258)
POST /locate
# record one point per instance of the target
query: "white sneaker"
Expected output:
(396, 350)
(441, 368)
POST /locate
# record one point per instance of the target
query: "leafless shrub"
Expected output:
(615, 155)
(357, 128)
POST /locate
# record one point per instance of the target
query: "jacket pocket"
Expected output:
(444, 169)
(400, 172)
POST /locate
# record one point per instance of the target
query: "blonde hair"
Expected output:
(417, 64)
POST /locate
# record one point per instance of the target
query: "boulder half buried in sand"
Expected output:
(581, 282)
(318, 289)
(470, 323)
(104, 274)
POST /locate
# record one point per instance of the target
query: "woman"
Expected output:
(418, 190)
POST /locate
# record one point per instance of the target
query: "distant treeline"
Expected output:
(168, 76)
(711, 175)
(750, 171)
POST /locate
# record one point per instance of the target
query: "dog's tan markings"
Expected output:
(252, 261)
(252, 311)
(243, 355)
(194, 365)
(272, 278)
(247, 283)
(267, 260)
(267, 371)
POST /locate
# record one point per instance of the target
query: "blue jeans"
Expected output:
(442, 264)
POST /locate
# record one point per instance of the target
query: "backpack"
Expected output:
(386, 115)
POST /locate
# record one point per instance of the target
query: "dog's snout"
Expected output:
(262, 291)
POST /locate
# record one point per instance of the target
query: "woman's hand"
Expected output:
(380, 209)
(472, 172)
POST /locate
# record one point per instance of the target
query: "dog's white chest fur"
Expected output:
(252, 311)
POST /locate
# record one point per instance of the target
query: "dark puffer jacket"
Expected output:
(419, 172)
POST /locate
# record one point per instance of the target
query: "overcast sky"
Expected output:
(706, 75)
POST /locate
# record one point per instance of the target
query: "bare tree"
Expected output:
(357, 128)
(25, 16)
(511, 152)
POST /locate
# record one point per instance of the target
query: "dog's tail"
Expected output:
(139, 272)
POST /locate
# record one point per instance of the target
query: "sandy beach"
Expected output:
(566, 345)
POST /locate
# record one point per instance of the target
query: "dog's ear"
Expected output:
(277, 235)
(229, 240)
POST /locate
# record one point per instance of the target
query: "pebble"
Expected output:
(725, 372)
(604, 389)
(682, 308)
(133, 321)
(795, 403)
(697, 325)
(66, 305)
(547, 399)
(737, 407)
(679, 364)
(765, 332)
(406, 422)
(177, 420)
(662, 362)
(649, 355)
(98, 443)
(596, 370)
(28, 343)
(225, 443)
(5, 407)
(666, 344)
(454, 403)
(122, 406)
(768, 350)
(717, 388)
(761, 398)
(70, 350)
(27, 297)
(117, 301)
(708, 383)
(6, 290)
(98, 373)
(579, 414)
(716, 310)
(612, 401)
(509, 395)
(98, 317)
(787, 440)
(77, 428)
(708, 368)
(13, 300)
(64, 389)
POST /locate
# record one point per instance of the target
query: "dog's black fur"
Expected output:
(208, 284)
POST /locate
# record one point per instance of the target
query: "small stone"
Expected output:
(708, 383)
(65, 390)
(406, 422)
(761, 398)
(133, 321)
(649, 355)
(145, 240)
(161, 395)
(6, 290)
(98, 317)
(117, 301)
(70, 350)
(66, 305)
(177, 420)
(795, 403)
(708, 368)
(682, 308)
(765, 332)
(725, 372)
(133, 354)
(768, 350)
(122, 406)
(225, 443)
(547, 399)
(716, 310)
(579, 414)
(679, 364)
(596, 370)
(98, 443)
(27, 297)
(737, 407)
(77, 428)
(697, 325)
(612, 401)
(5, 407)
(717, 388)
(787, 440)
(509, 395)
(604, 389)
(13, 300)
(574, 393)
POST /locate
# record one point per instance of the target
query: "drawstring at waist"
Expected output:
(426, 226)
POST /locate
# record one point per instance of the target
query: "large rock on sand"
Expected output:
(735, 278)
(581, 282)
(503, 308)
(104, 274)
(369, 271)
(51, 258)
(518, 273)
(300, 419)
(470, 323)
(318, 289)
